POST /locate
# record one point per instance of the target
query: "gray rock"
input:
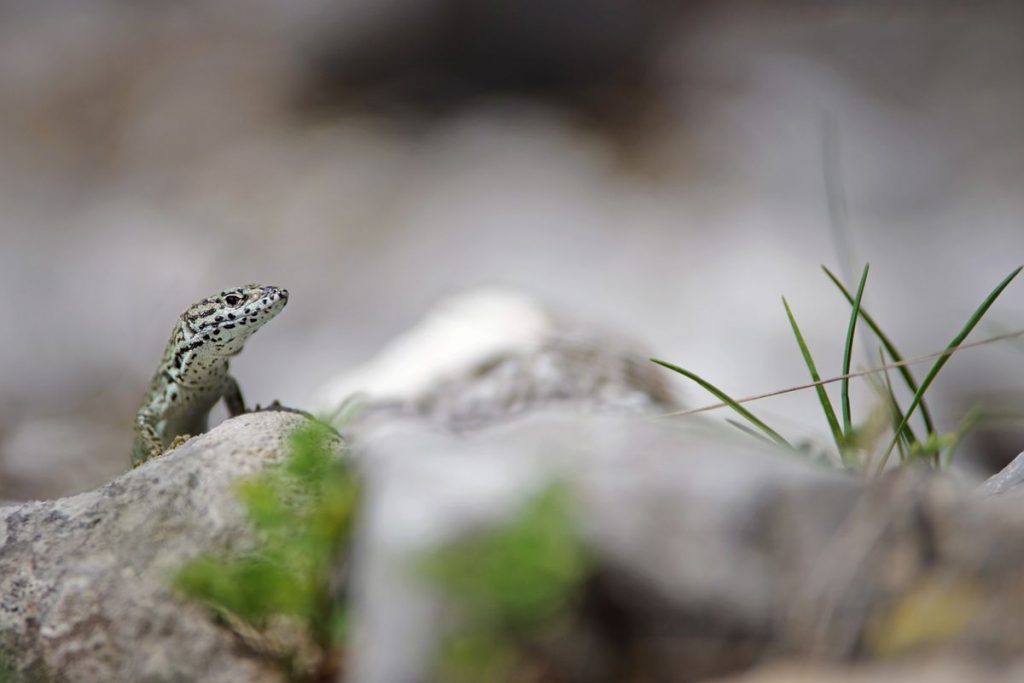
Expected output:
(711, 554)
(676, 512)
(85, 581)
(488, 355)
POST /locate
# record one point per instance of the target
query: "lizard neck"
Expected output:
(185, 366)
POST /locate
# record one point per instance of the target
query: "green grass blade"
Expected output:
(844, 387)
(890, 348)
(942, 360)
(728, 400)
(826, 404)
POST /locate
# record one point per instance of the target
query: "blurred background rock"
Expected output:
(658, 166)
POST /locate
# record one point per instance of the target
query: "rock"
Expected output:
(711, 554)
(672, 510)
(85, 581)
(489, 355)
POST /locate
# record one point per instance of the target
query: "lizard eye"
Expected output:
(231, 299)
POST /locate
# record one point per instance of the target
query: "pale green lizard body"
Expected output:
(193, 374)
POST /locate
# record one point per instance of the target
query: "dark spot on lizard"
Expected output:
(231, 316)
(219, 318)
(229, 326)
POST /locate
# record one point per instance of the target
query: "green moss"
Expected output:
(303, 512)
(517, 582)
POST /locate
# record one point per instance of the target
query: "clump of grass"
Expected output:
(514, 585)
(856, 444)
(303, 512)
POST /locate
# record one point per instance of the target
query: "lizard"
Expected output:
(193, 373)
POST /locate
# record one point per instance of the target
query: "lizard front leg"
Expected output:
(147, 442)
(233, 397)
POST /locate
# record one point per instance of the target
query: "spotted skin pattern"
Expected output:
(193, 374)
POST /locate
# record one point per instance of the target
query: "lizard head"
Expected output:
(220, 324)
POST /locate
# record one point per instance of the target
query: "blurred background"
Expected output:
(665, 169)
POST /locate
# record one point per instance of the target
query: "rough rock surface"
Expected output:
(84, 581)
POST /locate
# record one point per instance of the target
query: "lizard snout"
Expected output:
(270, 292)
